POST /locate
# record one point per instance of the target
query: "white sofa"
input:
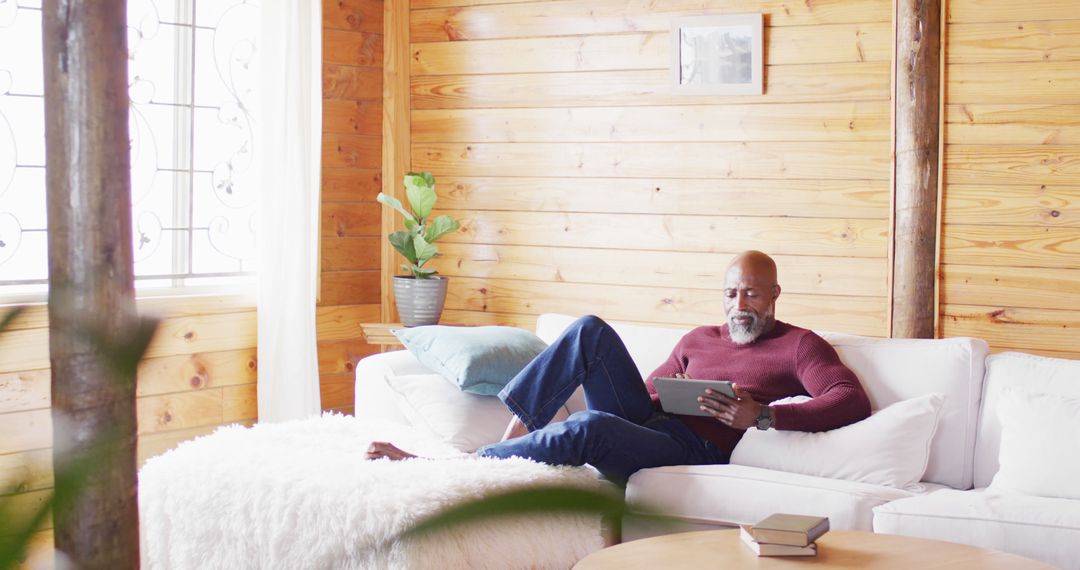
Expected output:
(952, 504)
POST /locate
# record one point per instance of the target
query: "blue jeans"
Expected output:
(620, 432)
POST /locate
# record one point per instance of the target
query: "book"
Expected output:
(765, 549)
(791, 530)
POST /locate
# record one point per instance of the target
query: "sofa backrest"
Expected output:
(892, 370)
(648, 345)
(1027, 372)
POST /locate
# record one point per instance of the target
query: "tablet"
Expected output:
(679, 395)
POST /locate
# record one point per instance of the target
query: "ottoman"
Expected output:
(301, 495)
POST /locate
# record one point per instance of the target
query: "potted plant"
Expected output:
(420, 295)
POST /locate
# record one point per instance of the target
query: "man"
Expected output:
(624, 430)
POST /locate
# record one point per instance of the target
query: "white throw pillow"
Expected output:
(891, 447)
(1040, 453)
(465, 421)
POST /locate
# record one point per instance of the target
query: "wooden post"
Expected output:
(917, 139)
(90, 272)
(395, 136)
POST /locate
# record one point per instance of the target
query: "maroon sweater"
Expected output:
(786, 361)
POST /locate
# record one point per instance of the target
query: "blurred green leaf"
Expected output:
(403, 243)
(441, 226)
(10, 317)
(420, 189)
(395, 204)
(424, 250)
(534, 500)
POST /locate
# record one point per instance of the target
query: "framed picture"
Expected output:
(720, 54)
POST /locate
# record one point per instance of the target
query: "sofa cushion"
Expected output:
(1036, 527)
(734, 494)
(374, 399)
(889, 448)
(1035, 374)
(465, 421)
(1038, 445)
(899, 369)
(648, 345)
(480, 360)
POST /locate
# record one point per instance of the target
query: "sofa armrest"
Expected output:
(374, 398)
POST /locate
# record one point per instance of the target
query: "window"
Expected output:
(192, 80)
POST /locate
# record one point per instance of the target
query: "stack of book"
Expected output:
(784, 535)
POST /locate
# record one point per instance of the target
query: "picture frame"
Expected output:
(718, 54)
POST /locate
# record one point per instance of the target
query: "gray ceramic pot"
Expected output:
(419, 301)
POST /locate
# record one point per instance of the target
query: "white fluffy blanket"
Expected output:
(301, 495)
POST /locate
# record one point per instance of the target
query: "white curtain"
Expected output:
(290, 128)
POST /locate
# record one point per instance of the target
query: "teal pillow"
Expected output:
(479, 360)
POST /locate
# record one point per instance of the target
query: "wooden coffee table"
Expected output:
(837, 549)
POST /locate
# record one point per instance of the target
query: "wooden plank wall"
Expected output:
(1011, 201)
(351, 218)
(199, 373)
(585, 186)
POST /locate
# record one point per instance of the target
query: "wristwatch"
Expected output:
(764, 419)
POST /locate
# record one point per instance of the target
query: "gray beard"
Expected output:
(746, 334)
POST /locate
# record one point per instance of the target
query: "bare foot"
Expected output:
(514, 429)
(380, 449)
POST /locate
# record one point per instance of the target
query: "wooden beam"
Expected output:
(91, 292)
(917, 89)
(395, 130)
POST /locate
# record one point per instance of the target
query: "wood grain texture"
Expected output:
(841, 43)
(858, 315)
(1013, 164)
(183, 410)
(1003, 326)
(794, 236)
(350, 288)
(963, 11)
(782, 198)
(397, 105)
(1026, 205)
(797, 274)
(916, 132)
(239, 403)
(353, 15)
(784, 160)
(25, 431)
(26, 471)
(787, 83)
(350, 184)
(24, 390)
(36, 316)
(1013, 124)
(360, 117)
(584, 17)
(352, 48)
(204, 333)
(341, 356)
(199, 371)
(350, 253)
(351, 83)
(1024, 40)
(351, 151)
(342, 322)
(840, 121)
(153, 444)
(337, 391)
(351, 219)
(1011, 247)
(1049, 82)
(981, 285)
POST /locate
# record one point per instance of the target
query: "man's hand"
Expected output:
(381, 449)
(740, 412)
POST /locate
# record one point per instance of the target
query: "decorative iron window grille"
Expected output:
(192, 83)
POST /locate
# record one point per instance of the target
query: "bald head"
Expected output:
(758, 263)
(750, 293)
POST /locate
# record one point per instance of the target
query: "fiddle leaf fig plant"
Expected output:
(416, 242)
